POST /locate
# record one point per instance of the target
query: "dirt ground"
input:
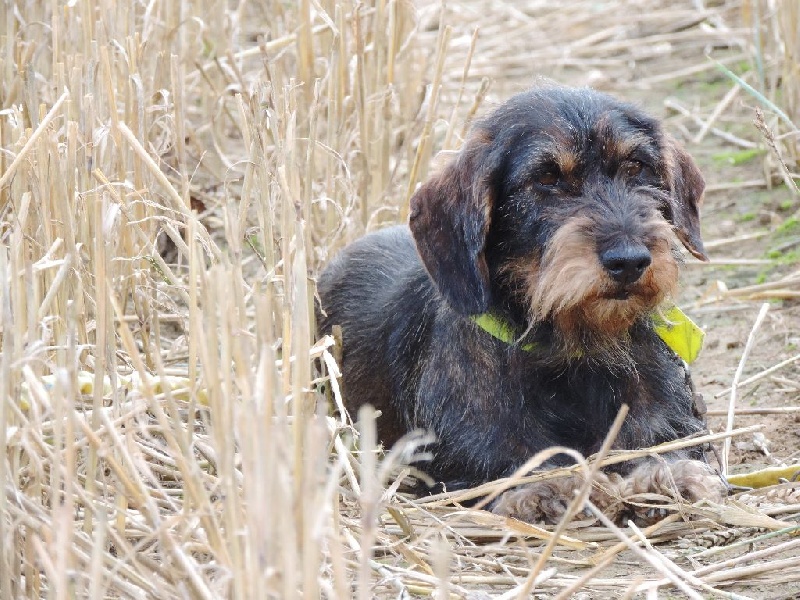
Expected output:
(752, 237)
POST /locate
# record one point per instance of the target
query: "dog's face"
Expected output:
(567, 202)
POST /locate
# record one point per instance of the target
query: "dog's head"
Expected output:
(566, 201)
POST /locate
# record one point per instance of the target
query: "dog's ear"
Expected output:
(686, 192)
(449, 219)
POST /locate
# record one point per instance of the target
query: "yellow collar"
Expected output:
(672, 325)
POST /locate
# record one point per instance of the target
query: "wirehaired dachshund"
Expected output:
(519, 308)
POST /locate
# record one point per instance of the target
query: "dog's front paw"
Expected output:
(695, 480)
(544, 501)
(547, 501)
(689, 480)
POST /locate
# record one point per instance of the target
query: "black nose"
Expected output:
(626, 262)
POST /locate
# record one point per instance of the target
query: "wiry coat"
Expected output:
(526, 223)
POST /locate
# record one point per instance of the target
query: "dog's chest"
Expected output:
(576, 405)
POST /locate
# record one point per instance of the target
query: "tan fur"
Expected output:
(624, 147)
(567, 161)
(617, 147)
(572, 280)
(548, 500)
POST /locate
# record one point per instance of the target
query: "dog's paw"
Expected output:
(695, 480)
(547, 501)
(544, 501)
(689, 480)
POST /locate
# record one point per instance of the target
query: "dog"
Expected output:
(517, 310)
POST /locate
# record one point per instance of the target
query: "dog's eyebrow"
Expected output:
(621, 139)
(625, 146)
(554, 150)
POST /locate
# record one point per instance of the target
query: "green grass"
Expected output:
(738, 157)
(788, 226)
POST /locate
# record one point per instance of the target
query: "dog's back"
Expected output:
(365, 289)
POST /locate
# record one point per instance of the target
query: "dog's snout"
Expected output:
(626, 263)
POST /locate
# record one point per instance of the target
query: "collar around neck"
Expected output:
(677, 330)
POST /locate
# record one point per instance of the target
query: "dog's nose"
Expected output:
(626, 262)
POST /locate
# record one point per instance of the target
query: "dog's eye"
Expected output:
(632, 168)
(548, 178)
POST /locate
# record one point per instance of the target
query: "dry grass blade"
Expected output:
(51, 114)
(673, 575)
(581, 497)
(735, 385)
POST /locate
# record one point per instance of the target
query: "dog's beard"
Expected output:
(591, 315)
